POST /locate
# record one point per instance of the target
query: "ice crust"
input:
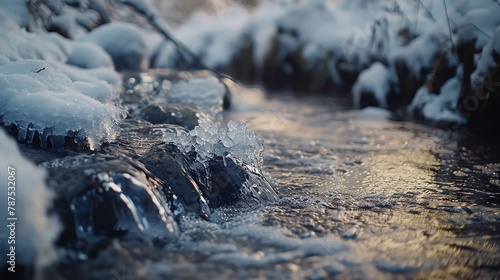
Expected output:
(39, 97)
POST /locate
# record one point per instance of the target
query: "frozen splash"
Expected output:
(207, 141)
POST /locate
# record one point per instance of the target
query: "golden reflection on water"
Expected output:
(385, 184)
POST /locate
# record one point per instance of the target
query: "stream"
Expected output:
(361, 197)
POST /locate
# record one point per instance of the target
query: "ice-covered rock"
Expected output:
(226, 165)
(207, 141)
(36, 230)
(37, 97)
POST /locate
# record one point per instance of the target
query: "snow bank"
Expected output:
(16, 43)
(39, 97)
(18, 11)
(36, 229)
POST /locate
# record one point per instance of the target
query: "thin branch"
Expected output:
(448, 21)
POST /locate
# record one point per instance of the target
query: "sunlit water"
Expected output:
(362, 197)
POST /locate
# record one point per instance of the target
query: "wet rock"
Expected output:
(101, 197)
(172, 167)
(184, 116)
(232, 180)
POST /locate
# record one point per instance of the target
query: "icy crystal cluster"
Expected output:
(207, 141)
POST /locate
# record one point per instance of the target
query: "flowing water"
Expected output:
(361, 197)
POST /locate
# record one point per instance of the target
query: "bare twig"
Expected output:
(448, 21)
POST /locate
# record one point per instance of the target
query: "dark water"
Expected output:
(362, 197)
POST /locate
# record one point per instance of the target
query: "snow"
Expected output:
(36, 229)
(260, 28)
(17, 10)
(486, 61)
(375, 80)
(87, 55)
(100, 91)
(16, 43)
(38, 96)
(421, 52)
(440, 108)
(214, 40)
(124, 42)
(479, 24)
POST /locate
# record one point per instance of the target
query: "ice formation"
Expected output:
(36, 229)
(207, 141)
(36, 96)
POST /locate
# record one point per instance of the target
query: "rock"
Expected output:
(232, 181)
(168, 164)
(181, 115)
(101, 197)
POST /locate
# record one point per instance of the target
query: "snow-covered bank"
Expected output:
(385, 51)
